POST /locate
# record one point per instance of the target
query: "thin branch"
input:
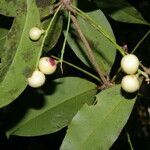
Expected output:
(89, 51)
(47, 30)
(78, 68)
(75, 10)
(129, 141)
(97, 27)
(140, 42)
(57, 5)
(64, 44)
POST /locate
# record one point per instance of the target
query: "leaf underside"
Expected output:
(59, 107)
(121, 10)
(104, 51)
(21, 54)
(99, 125)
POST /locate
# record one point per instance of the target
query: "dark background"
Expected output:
(138, 123)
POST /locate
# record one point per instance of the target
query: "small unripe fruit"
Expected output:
(130, 83)
(47, 65)
(35, 33)
(37, 79)
(130, 64)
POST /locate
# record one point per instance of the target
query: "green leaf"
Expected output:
(54, 32)
(45, 7)
(3, 34)
(121, 10)
(103, 49)
(59, 107)
(99, 125)
(21, 54)
(9, 7)
(44, 3)
(129, 15)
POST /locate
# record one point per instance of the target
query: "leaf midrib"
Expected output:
(21, 39)
(56, 105)
(139, 20)
(107, 116)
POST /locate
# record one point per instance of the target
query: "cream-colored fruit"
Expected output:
(37, 79)
(130, 64)
(35, 33)
(130, 83)
(47, 65)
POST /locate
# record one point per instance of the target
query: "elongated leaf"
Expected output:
(129, 15)
(9, 7)
(101, 124)
(3, 33)
(45, 7)
(103, 49)
(60, 107)
(21, 54)
(54, 32)
(121, 10)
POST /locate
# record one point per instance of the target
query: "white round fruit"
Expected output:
(130, 83)
(47, 65)
(35, 33)
(37, 79)
(130, 64)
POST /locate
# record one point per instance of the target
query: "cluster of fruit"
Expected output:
(130, 64)
(46, 66)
